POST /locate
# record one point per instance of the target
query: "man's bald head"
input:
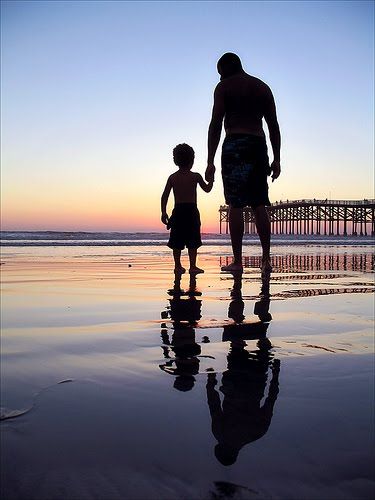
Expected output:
(229, 64)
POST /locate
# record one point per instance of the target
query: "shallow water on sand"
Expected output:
(121, 382)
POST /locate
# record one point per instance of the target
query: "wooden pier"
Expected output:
(320, 217)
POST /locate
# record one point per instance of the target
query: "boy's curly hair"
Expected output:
(183, 155)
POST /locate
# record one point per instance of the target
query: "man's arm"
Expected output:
(274, 133)
(214, 131)
(164, 201)
(273, 392)
(213, 398)
(206, 187)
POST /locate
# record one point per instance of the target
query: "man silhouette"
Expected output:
(242, 101)
(244, 415)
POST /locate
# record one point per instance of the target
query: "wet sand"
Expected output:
(129, 384)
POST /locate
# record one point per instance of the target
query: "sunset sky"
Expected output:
(95, 95)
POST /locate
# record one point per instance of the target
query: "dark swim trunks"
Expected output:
(244, 168)
(185, 226)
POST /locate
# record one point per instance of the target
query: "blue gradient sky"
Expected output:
(96, 94)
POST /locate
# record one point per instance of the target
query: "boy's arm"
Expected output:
(205, 186)
(164, 201)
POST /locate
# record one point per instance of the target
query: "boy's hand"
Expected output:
(164, 218)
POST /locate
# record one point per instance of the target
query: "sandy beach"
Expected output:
(121, 382)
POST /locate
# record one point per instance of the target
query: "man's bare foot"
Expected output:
(179, 270)
(266, 266)
(196, 270)
(233, 268)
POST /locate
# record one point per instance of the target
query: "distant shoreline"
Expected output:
(85, 238)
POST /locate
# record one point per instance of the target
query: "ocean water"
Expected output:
(82, 238)
(288, 252)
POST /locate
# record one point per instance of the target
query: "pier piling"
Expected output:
(308, 217)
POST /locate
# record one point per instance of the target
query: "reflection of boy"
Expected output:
(184, 313)
(185, 220)
(186, 362)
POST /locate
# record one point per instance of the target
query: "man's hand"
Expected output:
(275, 169)
(164, 218)
(211, 379)
(210, 172)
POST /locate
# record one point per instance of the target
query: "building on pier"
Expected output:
(320, 217)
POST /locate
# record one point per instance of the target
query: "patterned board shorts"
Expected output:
(244, 168)
(185, 225)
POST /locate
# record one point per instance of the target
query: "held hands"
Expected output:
(164, 218)
(275, 169)
(211, 379)
(210, 172)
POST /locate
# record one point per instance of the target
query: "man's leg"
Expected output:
(236, 229)
(263, 225)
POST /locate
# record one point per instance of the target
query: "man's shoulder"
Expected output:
(259, 83)
(220, 87)
(256, 81)
(232, 83)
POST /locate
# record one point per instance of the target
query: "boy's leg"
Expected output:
(193, 261)
(177, 261)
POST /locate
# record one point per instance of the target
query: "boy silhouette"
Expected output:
(184, 222)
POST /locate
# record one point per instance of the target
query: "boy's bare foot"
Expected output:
(266, 266)
(196, 270)
(179, 270)
(233, 268)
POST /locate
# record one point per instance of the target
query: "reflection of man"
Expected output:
(248, 331)
(243, 101)
(241, 419)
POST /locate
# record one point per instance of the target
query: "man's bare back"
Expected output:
(242, 101)
(246, 100)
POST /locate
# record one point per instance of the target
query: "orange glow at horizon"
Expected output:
(113, 206)
(126, 214)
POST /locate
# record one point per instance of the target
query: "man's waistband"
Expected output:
(251, 137)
